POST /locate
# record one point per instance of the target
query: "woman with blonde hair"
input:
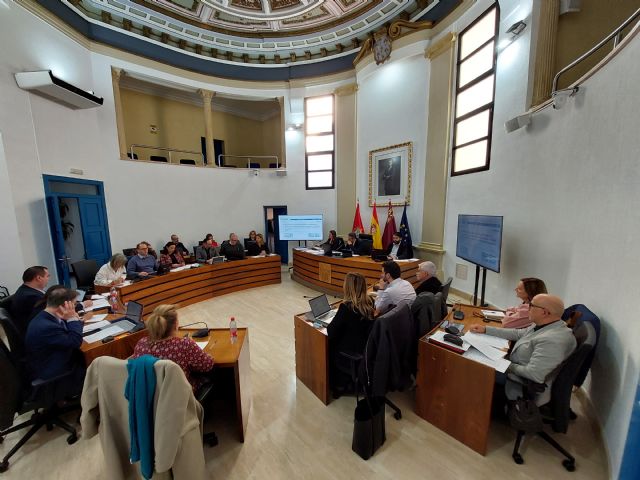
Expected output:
(165, 343)
(112, 273)
(350, 328)
(263, 249)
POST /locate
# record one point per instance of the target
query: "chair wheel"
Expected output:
(570, 465)
(4, 466)
(71, 439)
(397, 415)
(518, 458)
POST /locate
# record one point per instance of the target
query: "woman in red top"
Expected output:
(170, 257)
(164, 343)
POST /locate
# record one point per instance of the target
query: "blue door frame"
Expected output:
(281, 247)
(93, 219)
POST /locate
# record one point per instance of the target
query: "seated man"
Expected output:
(206, 251)
(232, 249)
(182, 250)
(141, 264)
(27, 295)
(427, 275)
(393, 290)
(353, 244)
(53, 339)
(539, 349)
(399, 250)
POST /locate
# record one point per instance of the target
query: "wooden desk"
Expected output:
(207, 281)
(121, 347)
(312, 357)
(455, 393)
(327, 273)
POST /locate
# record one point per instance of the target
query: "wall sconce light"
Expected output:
(293, 127)
(512, 33)
(560, 96)
(517, 122)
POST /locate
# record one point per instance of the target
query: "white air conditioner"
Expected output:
(44, 83)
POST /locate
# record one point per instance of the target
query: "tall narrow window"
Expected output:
(319, 142)
(475, 94)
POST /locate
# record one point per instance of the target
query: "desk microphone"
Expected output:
(203, 332)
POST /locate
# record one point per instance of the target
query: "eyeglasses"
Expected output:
(533, 305)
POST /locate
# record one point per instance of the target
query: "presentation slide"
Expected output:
(300, 227)
(480, 240)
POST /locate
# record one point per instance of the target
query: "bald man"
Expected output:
(539, 349)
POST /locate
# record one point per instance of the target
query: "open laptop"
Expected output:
(321, 311)
(132, 320)
(80, 295)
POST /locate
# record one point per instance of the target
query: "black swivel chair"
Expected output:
(557, 411)
(158, 158)
(366, 246)
(20, 395)
(4, 292)
(187, 161)
(85, 272)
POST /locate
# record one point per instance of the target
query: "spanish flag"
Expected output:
(375, 229)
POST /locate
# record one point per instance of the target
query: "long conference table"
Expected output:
(327, 273)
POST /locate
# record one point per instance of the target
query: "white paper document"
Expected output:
(202, 345)
(500, 364)
(179, 269)
(92, 326)
(96, 337)
(493, 314)
(98, 304)
(95, 319)
(484, 345)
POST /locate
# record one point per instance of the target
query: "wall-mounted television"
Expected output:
(300, 227)
(480, 240)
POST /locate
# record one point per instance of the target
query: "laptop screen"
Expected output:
(319, 305)
(134, 311)
(80, 295)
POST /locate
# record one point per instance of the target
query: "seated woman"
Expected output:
(252, 235)
(213, 240)
(263, 249)
(527, 288)
(349, 329)
(165, 343)
(334, 241)
(112, 273)
(170, 257)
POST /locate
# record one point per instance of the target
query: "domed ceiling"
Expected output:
(323, 36)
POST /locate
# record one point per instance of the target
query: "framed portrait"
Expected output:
(390, 174)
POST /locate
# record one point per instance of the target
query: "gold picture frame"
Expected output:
(390, 174)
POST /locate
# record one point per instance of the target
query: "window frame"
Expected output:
(487, 106)
(324, 152)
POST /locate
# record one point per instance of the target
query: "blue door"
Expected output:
(281, 247)
(94, 229)
(55, 226)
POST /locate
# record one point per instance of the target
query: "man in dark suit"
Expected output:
(399, 250)
(31, 291)
(353, 244)
(427, 274)
(182, 250)
(232, 249)
(53, 340)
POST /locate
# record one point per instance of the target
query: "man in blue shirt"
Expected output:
(53, 339)
(141, 264)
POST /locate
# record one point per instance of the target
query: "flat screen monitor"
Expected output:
(480, 240)
(300, 227)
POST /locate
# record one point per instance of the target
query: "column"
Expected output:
(207, 96)
(345, 162)
(116, 74)
(545, 58)
(442, 58)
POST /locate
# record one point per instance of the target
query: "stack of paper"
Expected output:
(95, 319)
(109, 331)
(488, 350)
(98, 304)
(97, 325)
(492, 314)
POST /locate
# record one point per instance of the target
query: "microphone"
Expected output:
(203, 332)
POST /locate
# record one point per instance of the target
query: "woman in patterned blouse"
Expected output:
(164, 343)
(170, 257)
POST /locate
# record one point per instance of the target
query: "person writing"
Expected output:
(349, 330)
(170, 257)
(112, 273)
(165, 342)
(527, 288)
(232, 249)
(141, 264)
(427, 275)
(206, 251)
(539, 349)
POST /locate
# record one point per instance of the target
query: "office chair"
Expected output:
(366, 245)
(4, 292)
(254, 165)
(128, 252)
(444, 289)
(557, 411)
(187, 161)
(20, 395)
(85, 272)
(5, 302)
(576, 315)
(273, 165)
(135, 156)
(158, 158)
(428, 310)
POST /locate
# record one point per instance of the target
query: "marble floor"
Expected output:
(292, 435)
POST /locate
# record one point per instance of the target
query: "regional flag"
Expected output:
(358, 227)
(375, 229)
(389, 228)
(405, 233)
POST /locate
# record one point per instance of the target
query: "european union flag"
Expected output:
(405, 233)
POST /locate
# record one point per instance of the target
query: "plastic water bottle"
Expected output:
(113, 299)
(233, 330)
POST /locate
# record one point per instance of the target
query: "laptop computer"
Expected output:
(80, 295)
(321, 311)
(132, 320)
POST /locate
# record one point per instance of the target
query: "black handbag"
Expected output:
(368, 426)
(524, 415)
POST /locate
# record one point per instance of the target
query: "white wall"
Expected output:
(391, 109)
(568, 189)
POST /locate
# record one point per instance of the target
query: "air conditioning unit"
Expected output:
(45, 84)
